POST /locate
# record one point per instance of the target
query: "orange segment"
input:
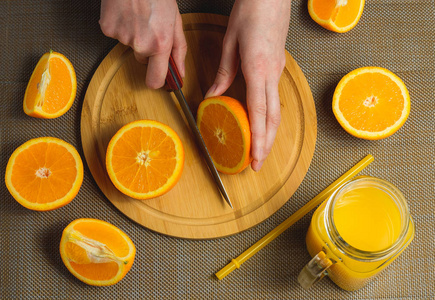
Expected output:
(336, 15)
(145, 159)
(52, 87)
(96, 252)
(103, 232)
(371, 103)
(224, 126)
(44, 173)
(101, 272)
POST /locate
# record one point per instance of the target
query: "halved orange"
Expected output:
(371, 103)
(52, 87)
(336, 15)
(224, 126)
(145, 159)
(44, 173)
(96, 252)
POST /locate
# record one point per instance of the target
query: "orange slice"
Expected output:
(336, 15)
(145, 159)
(44, 173)
(371, 103)
(96, 252)
(224, 126)
(52, 87)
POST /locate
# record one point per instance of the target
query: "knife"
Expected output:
(174, 83)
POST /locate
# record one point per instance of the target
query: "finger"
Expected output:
(141, 57)
(179, 48)
(273, 115)
(227, 68)
(256, 102)
(157, 70)
(109, 19)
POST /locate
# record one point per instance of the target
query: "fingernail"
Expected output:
(259, 154)
(256, 165)
(211, 90)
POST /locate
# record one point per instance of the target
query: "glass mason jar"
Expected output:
(347, 266)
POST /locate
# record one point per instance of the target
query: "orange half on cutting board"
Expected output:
(371, 103)
(145, 159)
(52, 87)
(96, 252)
(336, 15)
(224, 126)
(44, 173)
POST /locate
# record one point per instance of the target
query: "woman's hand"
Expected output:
(154, 30)
(256, 35)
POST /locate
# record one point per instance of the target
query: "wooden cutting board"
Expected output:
(194, 208)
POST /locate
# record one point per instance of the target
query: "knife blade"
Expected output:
(174, 83)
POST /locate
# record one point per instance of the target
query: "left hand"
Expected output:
(256, 35)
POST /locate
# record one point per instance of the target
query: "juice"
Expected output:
(358, 231)
(367, 219)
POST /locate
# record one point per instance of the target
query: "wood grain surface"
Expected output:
(194, 208)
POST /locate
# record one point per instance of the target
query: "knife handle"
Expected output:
(173, 77)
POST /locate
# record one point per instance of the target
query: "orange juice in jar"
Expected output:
(357, 233)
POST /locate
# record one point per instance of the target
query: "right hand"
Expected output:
(153, 28)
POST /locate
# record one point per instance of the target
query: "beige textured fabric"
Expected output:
(398, 35)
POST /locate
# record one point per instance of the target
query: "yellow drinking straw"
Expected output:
(236, 262)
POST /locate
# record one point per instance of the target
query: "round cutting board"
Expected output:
(194, 208)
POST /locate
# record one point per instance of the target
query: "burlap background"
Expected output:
(398, 35)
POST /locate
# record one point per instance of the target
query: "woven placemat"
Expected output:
(397, 35)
